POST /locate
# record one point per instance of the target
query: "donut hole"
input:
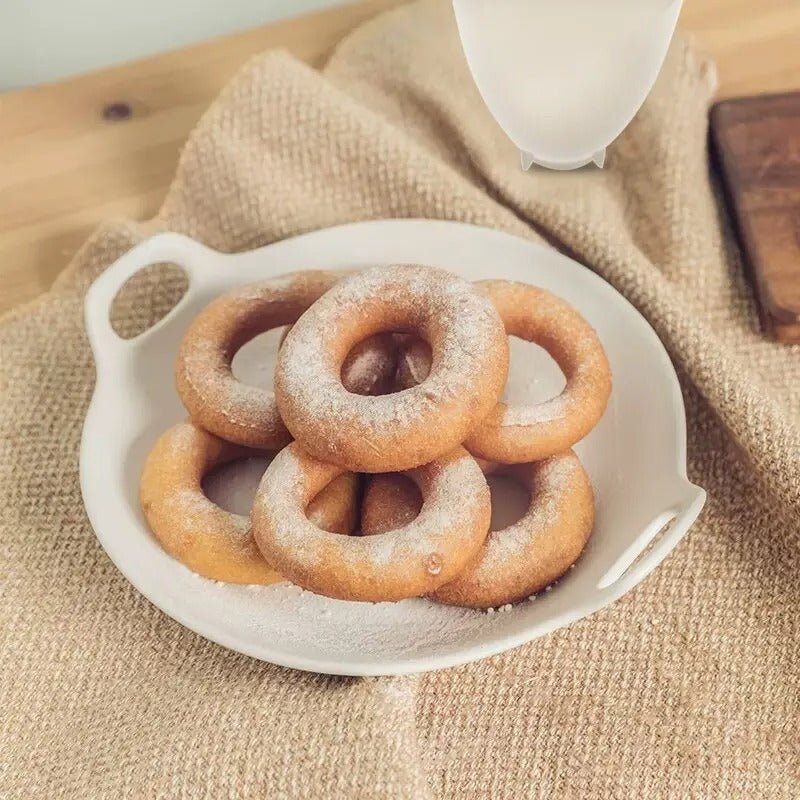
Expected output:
(400, 505)
(146, 298)
(254, 362)
(414, 357)
(510, 501)
(533, 375)
(233, 486)
(369, 367)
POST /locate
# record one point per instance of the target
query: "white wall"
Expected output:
(44, 40)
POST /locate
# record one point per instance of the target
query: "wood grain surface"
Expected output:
(757, 143)
(104, 145)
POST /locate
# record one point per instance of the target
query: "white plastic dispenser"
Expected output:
(563, 78)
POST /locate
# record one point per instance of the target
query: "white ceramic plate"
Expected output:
(635, 456)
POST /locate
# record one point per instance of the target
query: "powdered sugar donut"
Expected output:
(403, 430)
(519, 560)
(245, 414)
(206, 538)
(518, 433)
(416, 559)
(214, 398)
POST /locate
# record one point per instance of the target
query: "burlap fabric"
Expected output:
(687, 687)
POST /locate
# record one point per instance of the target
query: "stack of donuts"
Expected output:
(383, 424)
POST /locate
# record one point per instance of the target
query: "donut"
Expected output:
(416, 559)
(519, 560)
(215, 399)
(206, 538)
(397, 431)
(514, 434)
(244, 414)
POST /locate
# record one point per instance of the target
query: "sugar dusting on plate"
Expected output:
(338, 629)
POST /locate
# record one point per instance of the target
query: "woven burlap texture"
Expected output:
(687, 687)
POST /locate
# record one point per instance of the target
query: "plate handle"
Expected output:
(660, 536)
(163, 247)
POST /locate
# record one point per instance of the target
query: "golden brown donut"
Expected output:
(206, 538)
(245, 414)
(214, 398)
(520, 434)
(414, 560)
(403, 430)
(517, 561)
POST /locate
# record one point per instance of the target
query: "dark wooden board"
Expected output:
(757, 145)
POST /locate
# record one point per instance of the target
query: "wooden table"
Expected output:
(70, 158)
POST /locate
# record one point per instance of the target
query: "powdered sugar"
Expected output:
(184, 438)
(280, 491)
(549, 411)
(423, 294)
(189, 503)
(267, 288)
(197, 513)
(501, 609)
(335, 627)
(442, 523)
(289, 616)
